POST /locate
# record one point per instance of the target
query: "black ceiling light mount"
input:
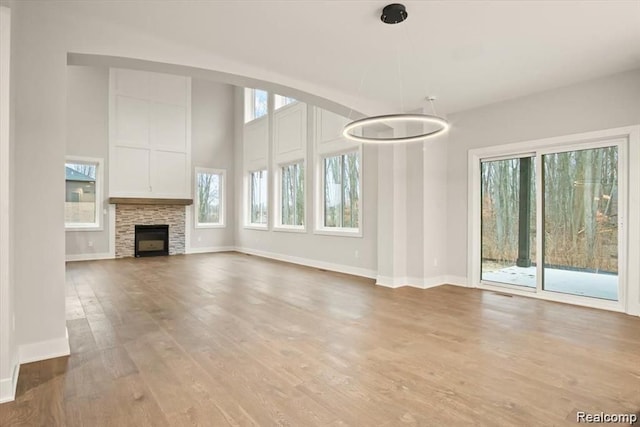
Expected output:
(394, 13)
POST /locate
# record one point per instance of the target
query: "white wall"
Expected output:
(356, 255)
(415, 209)
(609, 102)
(88, 136)
(435, 210)
(412, 212)
(212, 138)
(8, 353)
(39, 74)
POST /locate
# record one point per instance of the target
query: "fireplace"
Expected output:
(151, 240)
(128, 215)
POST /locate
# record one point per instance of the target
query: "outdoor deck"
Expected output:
(596, 285)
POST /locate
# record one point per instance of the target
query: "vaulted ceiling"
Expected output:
(468, 53)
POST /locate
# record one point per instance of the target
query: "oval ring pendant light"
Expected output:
(393, 14)
(348, 130)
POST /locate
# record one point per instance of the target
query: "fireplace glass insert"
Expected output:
(152, 240)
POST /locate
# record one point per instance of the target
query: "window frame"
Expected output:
(279, 226)
(250, 104)
(249, 194)
(320, 228)
(98, 224)
(222, 197)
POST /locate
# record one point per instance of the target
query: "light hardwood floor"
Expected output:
(229, 339)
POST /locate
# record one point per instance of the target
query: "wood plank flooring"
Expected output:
(230, 339)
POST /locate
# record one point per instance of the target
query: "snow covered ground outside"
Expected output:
(595, 285)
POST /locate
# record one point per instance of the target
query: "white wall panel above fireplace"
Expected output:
(132, 166)
(132, 121)
(149, 134)
(167, 174)
(168, 128)
(136, 84)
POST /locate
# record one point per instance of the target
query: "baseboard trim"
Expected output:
(432, 282)
(633, 309)
(338, 268)
(8, 385)
(389, 282)
(456, 280)
(210, 249)
(89, 257)
(411, 282)
(43, 350)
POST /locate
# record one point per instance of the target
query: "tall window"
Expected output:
(82, 193)
(258, 198)
(209, 198)
(342, 191)
(280, 101)
(292, 195)
(255, 105)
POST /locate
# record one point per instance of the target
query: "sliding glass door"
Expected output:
(581, 222)
(550, 223)
(508, 221)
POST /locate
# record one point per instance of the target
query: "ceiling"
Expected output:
(467, 53)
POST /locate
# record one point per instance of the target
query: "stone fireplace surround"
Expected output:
(130, 215)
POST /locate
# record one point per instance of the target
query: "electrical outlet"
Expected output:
(357, 253)
(435, 262)
(90, 243)
(199, 238)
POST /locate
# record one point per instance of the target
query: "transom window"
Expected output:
(209, 197)
(280, 101)
(256, 104)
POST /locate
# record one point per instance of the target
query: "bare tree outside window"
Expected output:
(260, 98)
(84, 168)
(293, 194)
(258, 197)
(581, 214)
(342, 191)
(209, 198)
(579, 217)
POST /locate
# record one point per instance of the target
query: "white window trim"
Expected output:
(277, 194)
(629, 235)
(319, 197)
(99, 224)
(223, 195)
(248, 224)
